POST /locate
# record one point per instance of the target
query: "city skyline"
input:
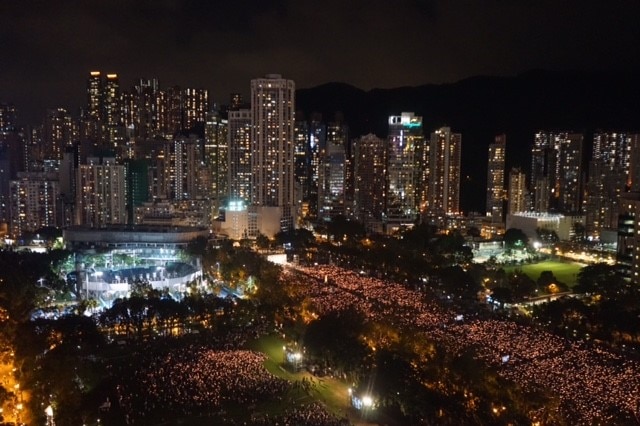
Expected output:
(219, 47)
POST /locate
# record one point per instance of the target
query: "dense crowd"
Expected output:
(592, 384)
(192, 381)
(163, 383)
(309, 415)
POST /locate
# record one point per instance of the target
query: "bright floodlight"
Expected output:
(537, 245)
(48, 411)
(297, 355)
(367, 401)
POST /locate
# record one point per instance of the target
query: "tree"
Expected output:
(341, 228)
(262, 241)
(599, 279)
(336, 338)
(521, 285)
(515, 238)
(473, 232)
(502, 295)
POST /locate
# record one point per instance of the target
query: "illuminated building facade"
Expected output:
(101, 196)
(628, 256)
(369, 186)
(239, 163)
(113, 129)
(195, 107)
(57, 133)
(272, 154)
(610, 175)
(332, 173)
(403, 170)
(517, 191)
(188, 178)
(444, 172)
(556, 172)
(35, 202)
(495, 178)
(216, 157)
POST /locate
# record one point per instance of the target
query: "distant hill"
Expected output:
(481, 107)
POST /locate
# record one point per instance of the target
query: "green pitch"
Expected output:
(566, 272)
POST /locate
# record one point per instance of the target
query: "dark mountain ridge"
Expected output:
(481, 107)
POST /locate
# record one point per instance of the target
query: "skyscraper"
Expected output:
(610, 175)
(517, 191)
(56, 133)
(628, 256)
(216, 156)
(445, 150)
(239, 162)
(94, 96)
(112, 111)
(332, 173)
(495, 178)
(101, 197)
(556, 172)
(272, 165)
(569, 186)
(35, 202)
(369, 186)
(195, 106)
(403, 170)
(8, 117)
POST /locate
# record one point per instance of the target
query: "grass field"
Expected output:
(565, 272)
(332, 392)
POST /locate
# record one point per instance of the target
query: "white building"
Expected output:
(529, 222)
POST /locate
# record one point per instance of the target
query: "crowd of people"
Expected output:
(592, 384)
(192, 381)
(208, 378)
(312, 414)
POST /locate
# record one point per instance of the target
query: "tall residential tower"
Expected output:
(495, 178)
(272, 153)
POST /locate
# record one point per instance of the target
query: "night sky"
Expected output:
(48, 47)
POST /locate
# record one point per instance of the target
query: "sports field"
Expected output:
(565, 272)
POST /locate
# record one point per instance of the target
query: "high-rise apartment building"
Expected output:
(195, 106)
(136, 185)
(187, 179)
(403, 170)
(495, 178)
(332, 173)
(628, 256)
(302, 162)
(146, 120)
(569, 186)
(94, 96)
(57, 133)
(35, 202)
(272, 159)
(113, 128)
(369, 185)
(556, 172)
(445, 149)
(100, 196)
(517, 191)
(239, 162)
(8, 117)
(610, 175)
(216, 157)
